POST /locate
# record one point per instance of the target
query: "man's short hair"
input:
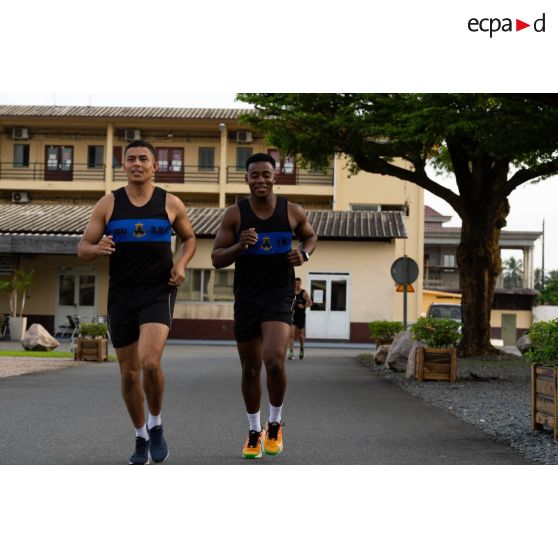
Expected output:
(257, 157)
(141, 143)
(298, 279)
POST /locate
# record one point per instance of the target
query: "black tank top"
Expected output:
(142, 235)
(299, 299)
(263, 271)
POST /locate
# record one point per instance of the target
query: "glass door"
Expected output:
(285, 167)
(329, 315)
(76, 296)
(171, 164)
(59, 162)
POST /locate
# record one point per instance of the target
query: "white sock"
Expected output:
(142, 432)
(154, 421)
(275, 413)
(254, 420)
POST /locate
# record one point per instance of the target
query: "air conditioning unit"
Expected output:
(131, 135)
(20, 197)
(20, 133)
(243, 136)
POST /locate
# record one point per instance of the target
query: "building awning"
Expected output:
(56, 229)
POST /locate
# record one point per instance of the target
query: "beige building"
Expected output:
(56, 162)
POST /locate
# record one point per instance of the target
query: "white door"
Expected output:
(76, 296)
(328, 318)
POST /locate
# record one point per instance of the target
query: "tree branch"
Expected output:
(524, 175)
(418, 177)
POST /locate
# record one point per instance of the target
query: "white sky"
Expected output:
(94, 51)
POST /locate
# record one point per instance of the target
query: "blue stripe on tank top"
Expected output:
(139, 230)
(270, 243)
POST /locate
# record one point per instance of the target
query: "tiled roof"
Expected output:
(72, 219)
(39, 218)
(120, 112)
(430, 212)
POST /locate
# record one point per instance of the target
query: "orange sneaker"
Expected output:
(253, 446)
(273, 443)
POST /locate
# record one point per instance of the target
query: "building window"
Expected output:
(21, 155)
(449, 260)
(242, 154)
(206, 158)
(365, 207)
(380, 207)
(95, 156)
(207, 285)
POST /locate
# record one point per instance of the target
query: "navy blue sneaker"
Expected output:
(158, 449)
(141, 455)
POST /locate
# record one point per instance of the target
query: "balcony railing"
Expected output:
(297, 177)
(180, 174)
(59, 171)
(438, 277)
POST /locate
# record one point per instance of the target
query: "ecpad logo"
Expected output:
(492, 25)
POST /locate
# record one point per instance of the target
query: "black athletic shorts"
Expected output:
(130, 308)
(248, 316)
(299, 319)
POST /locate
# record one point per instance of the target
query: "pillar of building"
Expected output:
(108, 158)
(528, 273)
(223, 164)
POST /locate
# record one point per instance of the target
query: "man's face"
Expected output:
(260, 178)
(298, 285)
(139, 164)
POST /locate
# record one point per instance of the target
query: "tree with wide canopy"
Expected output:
(491, 143)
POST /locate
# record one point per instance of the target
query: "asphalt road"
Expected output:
(336, 412)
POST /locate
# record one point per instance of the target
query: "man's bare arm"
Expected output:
(226, 247)
(185, 233)
(92, 243)
(307, 238)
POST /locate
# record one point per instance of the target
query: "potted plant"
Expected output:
(438, 359)
(17, 287)
(92, 343)
(383, 331)
(543, 356)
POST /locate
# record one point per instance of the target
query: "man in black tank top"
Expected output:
(302, 301)
(256, 235)
(133, 226)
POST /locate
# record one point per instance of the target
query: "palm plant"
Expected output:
(17, 286)
(513, 273)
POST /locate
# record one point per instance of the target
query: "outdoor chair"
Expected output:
(70, 329)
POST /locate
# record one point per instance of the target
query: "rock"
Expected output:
(37, 338)
(412, 360)
(523, 343)
(399, 351)
(381, 354)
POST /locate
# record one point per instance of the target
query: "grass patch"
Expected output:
(46, 354)
(41, 354)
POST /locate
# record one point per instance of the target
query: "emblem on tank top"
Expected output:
(266, 243)
(139, 231)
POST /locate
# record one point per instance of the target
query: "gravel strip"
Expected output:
(15, 366)
(492, 393)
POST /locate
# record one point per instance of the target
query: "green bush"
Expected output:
(93, 330)
(544, 343)
(384, 330)
(438, 333)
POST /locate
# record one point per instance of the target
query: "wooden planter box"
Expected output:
(544, 405)
(436, 364)
(91, 349)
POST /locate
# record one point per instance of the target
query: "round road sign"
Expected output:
(404, 270)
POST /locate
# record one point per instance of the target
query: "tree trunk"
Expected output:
(478, 258)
